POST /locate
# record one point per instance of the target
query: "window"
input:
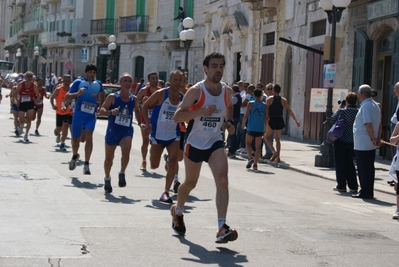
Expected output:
(269, 39)
(318, 28)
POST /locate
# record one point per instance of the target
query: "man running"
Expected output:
(38, 110)
(163, 131)
(206, 105)
(119, 108)
(142, 96)
(274, 112)
(63, 117)
(87, 90)
(27, 91)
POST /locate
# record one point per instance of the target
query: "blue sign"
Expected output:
(85, 54)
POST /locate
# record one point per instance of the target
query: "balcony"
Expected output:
(102, 28)
(11, 41)
(33, 27)
(68, 5)
(20, 2)
(76, 40)
(133, 26)
(50, 38)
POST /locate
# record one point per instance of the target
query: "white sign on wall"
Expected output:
(318, 99)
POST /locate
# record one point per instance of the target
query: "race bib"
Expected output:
(25, 98)
(123, 120)
(167, 116)
(88, 107)
(39, 102)
(210, 124)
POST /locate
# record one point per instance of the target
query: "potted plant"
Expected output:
(71, 40)
(84, 34)
(2, 40)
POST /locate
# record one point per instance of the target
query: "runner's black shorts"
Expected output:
(276, 123)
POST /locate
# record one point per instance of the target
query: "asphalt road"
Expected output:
(51, 216)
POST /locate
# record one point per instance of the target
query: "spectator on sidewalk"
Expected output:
(394, 170)
(246, 96)
(275, 105)
(345, 171)
(366, 137)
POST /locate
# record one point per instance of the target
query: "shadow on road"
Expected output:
(86, 185)
(120, 199)
(224, 257)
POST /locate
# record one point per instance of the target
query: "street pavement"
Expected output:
(51, 216)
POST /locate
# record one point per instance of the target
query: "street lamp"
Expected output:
(334, 9)
(36, 54)
(18, 55)
(112, 45)
(187, 36)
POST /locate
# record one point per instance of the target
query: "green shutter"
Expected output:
(110, 15)
(189, 8)
(140, 11)
(71, 25)
(176, 22)
(63, 25)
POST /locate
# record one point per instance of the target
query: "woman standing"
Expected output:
(345, 171)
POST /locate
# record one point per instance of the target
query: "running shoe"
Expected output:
(255, 167)
(16, 132)
(20, 130)
(62, 147)
(277, 159)
(166, 158)
(122, 180)
(72, 164)
(395, 216)
(58, 138)
(55, 132)
(143, 166)
(166, 198)
(26, 138)
(274, 156)
(176, 185)
(86, 169)
(177, 221)
(37, 132)
(250, 162)
(107, 186)
(343, 190)
(226, 234)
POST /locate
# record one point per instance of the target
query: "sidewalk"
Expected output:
(300, 156)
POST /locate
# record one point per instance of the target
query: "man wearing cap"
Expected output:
(86, 90)
(26, 93)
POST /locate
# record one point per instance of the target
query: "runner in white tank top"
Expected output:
(206, 105)
(203, 132)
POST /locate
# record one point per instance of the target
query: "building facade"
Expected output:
(147, 39)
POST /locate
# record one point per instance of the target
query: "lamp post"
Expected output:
(187, 36)
(18, 55)
(111, 47)
(36, 54)
(334, 9)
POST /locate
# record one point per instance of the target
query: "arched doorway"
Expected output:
(139, 67)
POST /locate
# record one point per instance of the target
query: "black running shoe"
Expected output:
(16, 132)
(250, 162)
(107, 186)
(176, 185)
(122, 180)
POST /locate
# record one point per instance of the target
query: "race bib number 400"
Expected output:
(88, 107)
(123, 120)
(210, 124)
